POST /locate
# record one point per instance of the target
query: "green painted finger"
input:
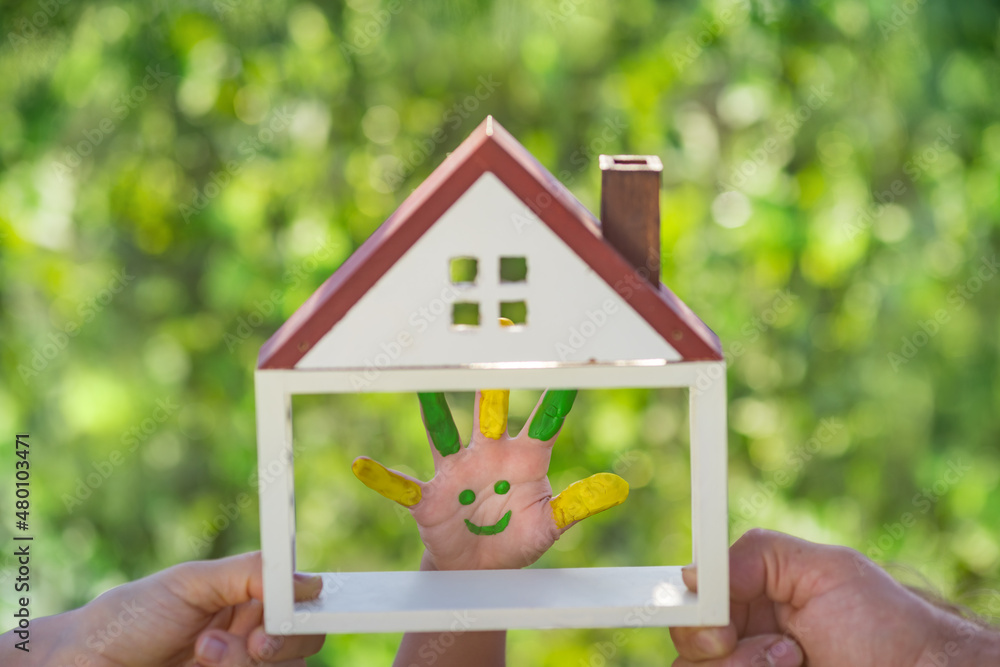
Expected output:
(439, 423)
(551, 413)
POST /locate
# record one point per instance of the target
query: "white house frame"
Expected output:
(358, 333)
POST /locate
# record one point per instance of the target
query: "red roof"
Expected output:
(489, 148)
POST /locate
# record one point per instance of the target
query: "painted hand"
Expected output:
(490, 505)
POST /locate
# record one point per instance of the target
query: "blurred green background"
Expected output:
(176, 178)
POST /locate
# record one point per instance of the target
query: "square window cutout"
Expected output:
(515, 311)
(465, 314)
(463, 270)
(513, 269)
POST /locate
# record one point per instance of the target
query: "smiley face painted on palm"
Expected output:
(468, 497)
(489, 504)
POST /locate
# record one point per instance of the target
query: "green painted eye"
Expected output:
(502, 487)
(467, 497)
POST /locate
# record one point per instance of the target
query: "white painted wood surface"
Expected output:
(497, 599)
(510, 375)
(710, 496)
(707, 381)
(276, 487)
(404, 320)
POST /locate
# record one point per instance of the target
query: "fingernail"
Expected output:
(708, 643)
(712, 642)
(210, 650)
(785, 653)
(266, 646)
(312, 582)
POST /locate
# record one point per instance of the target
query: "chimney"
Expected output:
(630, 210)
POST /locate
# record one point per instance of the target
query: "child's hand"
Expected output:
(490, 505)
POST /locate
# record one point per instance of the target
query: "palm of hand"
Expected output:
(503, 525)
(490, 505)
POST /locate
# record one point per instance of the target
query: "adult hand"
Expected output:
(490, 505)
(205, 613)
(793, 601)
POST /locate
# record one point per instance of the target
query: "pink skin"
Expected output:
(172, 618)
(795, 603)
(520, 460)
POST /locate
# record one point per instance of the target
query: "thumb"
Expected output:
(212, 585)
(785, 569)
(759, 650)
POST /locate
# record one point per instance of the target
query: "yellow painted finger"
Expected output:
(387, 482)
(493, 405)
(588, 497)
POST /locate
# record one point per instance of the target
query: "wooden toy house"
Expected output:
(590, 313)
